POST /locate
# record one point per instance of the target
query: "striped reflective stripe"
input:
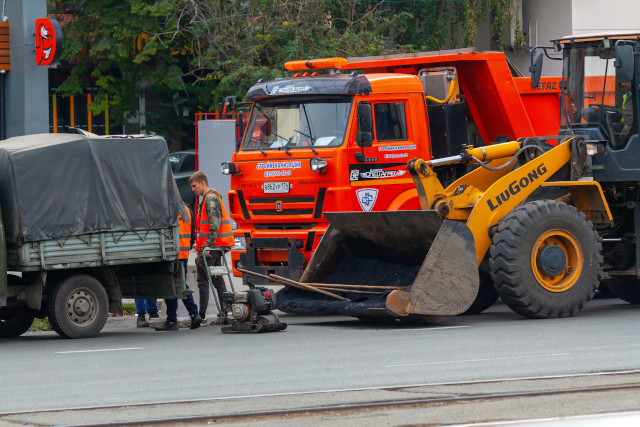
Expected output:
(184, 233)
(225, 234)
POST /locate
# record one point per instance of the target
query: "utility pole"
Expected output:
(26, 98)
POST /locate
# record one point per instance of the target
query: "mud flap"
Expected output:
(435, 259)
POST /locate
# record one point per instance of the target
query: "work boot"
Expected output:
(168, 326)
(142, 321)
(196, 320)
(203, 320)
(153, 316)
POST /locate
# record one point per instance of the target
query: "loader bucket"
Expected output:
(433, 261)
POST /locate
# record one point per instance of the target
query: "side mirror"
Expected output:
(536, 68)
(240, 128)
(227, 106)
(364, 137)
(624, 63)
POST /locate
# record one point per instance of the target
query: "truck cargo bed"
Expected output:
(94, 250)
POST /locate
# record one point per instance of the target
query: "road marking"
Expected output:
(477, 360)
(99, 350)
(437, 328)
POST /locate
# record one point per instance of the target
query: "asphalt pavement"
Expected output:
(323, 356)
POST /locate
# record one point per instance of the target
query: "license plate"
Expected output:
(275, 187)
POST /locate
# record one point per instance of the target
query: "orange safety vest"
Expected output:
(184, 229)
(225, 234)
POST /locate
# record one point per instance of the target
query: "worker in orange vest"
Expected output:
(171, 324)
(214, 230)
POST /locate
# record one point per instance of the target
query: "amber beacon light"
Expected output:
(314, 64)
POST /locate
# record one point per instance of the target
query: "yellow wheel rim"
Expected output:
(564, 278)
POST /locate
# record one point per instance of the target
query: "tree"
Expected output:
(188, 54)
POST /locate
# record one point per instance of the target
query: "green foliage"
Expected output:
(128, 309)
(40, 325)
(189, 54)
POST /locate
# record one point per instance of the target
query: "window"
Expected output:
(391, 122)
(297, 123)
(189, 163)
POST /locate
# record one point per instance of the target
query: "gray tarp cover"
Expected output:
(57, 185)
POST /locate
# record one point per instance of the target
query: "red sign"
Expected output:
(48, 41)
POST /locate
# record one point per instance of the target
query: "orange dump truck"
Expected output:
(306, 151)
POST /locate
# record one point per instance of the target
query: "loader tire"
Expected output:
(546, 259)
(78, 307)
(627, 288)
(487, 295)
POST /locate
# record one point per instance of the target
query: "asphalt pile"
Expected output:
(352, 271)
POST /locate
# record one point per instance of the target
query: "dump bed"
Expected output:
(493, 91)
(77, 201)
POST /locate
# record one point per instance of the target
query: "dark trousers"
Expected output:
(172, 307)
(213, 258)
(189, 303)
(146, 305)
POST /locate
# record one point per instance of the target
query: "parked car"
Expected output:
(183, 165)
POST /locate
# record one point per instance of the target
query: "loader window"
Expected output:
(390, 121)
(592, 96)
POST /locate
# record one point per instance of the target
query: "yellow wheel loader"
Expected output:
(538, 221)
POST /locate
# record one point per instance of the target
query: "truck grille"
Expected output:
(282, 206)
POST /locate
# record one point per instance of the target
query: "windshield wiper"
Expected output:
(284, 146)
(258, 140)
(313, 141)
(259, 145)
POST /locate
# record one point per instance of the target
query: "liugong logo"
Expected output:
(516, 186)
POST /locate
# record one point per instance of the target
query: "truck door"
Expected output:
(378, 173)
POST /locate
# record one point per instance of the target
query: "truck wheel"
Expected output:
(545, 259)
(627, 288)
(78, 307)
(487, 295)
(14, 323)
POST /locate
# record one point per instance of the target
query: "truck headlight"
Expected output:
(240, 243)
(318, 165)
(228, 168)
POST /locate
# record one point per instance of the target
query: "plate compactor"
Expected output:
(251, 310)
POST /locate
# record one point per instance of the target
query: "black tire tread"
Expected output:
(627, 288)
(18, 325)
(56, 319)
(506, 266)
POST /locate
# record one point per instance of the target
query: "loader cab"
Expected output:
(599, 97)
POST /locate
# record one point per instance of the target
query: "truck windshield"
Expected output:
(294, 123)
